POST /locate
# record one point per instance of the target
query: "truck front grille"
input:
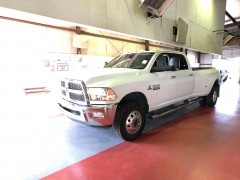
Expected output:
(74, 86)
(78, 97)
(63, 83)
(64, 92)
(74, 90)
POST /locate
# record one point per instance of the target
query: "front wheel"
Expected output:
(211, 98)
(129, 121)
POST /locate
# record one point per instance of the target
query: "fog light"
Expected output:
(97, 115)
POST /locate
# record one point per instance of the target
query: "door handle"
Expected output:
(190, 74)
(173, 77)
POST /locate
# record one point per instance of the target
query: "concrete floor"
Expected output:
(37, 141)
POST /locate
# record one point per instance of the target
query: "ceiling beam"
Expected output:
(78, 31)
(86, 33)
(230, 17)
(232, 25)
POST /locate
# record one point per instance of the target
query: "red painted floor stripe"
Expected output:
(56, 116)
(200, 145)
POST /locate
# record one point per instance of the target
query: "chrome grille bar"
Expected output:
(63, 83)
(75, 91)
(64, 92)
(78, 97)
(74, 86)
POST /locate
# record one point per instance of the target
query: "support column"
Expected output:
(78, 31)
(146, 45)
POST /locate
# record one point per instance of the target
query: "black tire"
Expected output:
(211, 98)
(202, 102)
(129, 121)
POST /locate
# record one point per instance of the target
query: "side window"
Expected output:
(161, 63)
(162, 60)
(178, 61)
(183, 63)
(141, 60)
(170, 62)
(174, 61)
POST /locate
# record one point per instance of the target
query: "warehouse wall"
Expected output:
(109, 47)
(203, 17)
(231, 65)
(231, 53)
(30, 54)
(25, 59)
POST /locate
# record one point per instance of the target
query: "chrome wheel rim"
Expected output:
(214, 96)
(133, 122)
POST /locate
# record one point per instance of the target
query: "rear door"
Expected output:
(184, 76)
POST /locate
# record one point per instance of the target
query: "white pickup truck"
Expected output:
(133, 85)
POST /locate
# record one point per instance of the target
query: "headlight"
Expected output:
(102, 94)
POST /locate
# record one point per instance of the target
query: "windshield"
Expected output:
(133, 61)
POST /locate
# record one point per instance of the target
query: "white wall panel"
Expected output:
(209, 20)
(125, 16)
(90, 12)
(171, 12)
(200, 15)
(166, 32)
(191, 9)
(196, 36)
(218, 17)
(182, 8)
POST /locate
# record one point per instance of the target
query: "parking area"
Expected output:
(36, 139)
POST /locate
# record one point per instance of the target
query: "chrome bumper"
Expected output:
(95, 115)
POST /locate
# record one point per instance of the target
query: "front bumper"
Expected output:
(93, 115)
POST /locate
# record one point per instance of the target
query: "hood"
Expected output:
(104, 76)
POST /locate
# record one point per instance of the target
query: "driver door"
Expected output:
(163, 83)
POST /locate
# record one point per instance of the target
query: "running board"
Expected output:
(169, 109)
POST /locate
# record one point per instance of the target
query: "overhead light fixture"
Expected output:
(155, 7)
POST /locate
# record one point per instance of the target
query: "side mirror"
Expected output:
(105, 64)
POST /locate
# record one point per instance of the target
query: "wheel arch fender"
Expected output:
(137, 97)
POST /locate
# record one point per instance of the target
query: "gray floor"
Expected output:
(37, 140)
